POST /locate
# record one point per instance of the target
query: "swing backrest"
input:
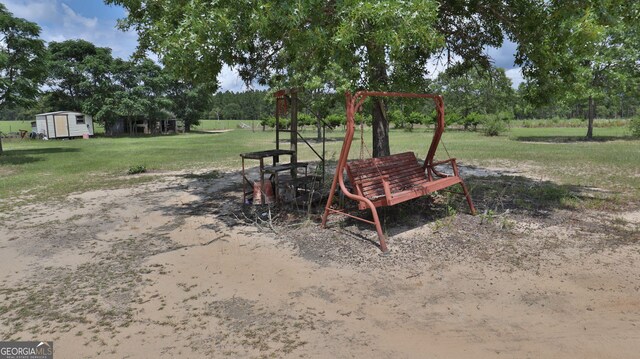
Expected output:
(401, 171)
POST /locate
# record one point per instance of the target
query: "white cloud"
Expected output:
(60, 22)
(515, 74)
(504, 55)
(71, 18)
(229, 80)
(33, 10)
(56, 38)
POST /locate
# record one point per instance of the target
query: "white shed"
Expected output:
(64, 124)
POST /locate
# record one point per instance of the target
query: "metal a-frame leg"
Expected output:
(472, 208)
(381, 236)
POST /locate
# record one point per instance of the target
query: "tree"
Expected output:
(475, 92)
(78, 71)
(140, 93)
(232, 111)
(21, 61)
(349, 45)
(248, 105)
(596, 54)
(22, 55)
(612, 67)
(189, 102)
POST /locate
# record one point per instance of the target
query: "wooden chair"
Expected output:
(389, 180)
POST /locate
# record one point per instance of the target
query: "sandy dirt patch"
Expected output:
(179, 268)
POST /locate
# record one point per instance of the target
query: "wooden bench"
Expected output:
(394, 179)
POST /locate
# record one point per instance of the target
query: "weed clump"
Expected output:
(137, 169)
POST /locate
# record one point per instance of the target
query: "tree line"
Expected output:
(477, 97)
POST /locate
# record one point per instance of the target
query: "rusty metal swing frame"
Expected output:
(389, 180)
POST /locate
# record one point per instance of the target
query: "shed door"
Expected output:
(62, 128)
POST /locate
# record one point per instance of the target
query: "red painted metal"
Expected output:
(396, 179)
(281, 102)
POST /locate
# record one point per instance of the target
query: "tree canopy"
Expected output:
(78, 72)
(21, 60)
(372, 44)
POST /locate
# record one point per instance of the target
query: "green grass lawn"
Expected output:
(37, 170)
(14, 126)
(225, 125)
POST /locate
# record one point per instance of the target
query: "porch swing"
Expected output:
(387, 181)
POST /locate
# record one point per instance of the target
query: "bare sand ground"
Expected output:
(174, 269)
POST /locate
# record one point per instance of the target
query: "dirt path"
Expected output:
(171, 269)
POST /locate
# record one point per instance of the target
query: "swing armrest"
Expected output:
(454, 166)
(452, 160)
(386, 186)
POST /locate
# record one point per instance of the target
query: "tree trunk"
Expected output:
(0, 146)
(380, 129)
(378, 81)
(590, 115)
(187, 126)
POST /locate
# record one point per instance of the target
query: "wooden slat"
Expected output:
(400, 172)
(392, 158)
(403, 173)
(389, 162)
(381, 162)
(397, 183)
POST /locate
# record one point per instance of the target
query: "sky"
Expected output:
(94, 21)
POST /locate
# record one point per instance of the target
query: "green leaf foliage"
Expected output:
(22, 66)
(562, 46)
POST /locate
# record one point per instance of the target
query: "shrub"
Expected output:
(306, 120)
(137, 169)
(270, 121)
(493, 126)
(396, 117)
(334, 121)
(450, 118)
(634, 126)
(472, 119)
(284, 123)
(505, 116)
(416, 118)
(368, 119)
